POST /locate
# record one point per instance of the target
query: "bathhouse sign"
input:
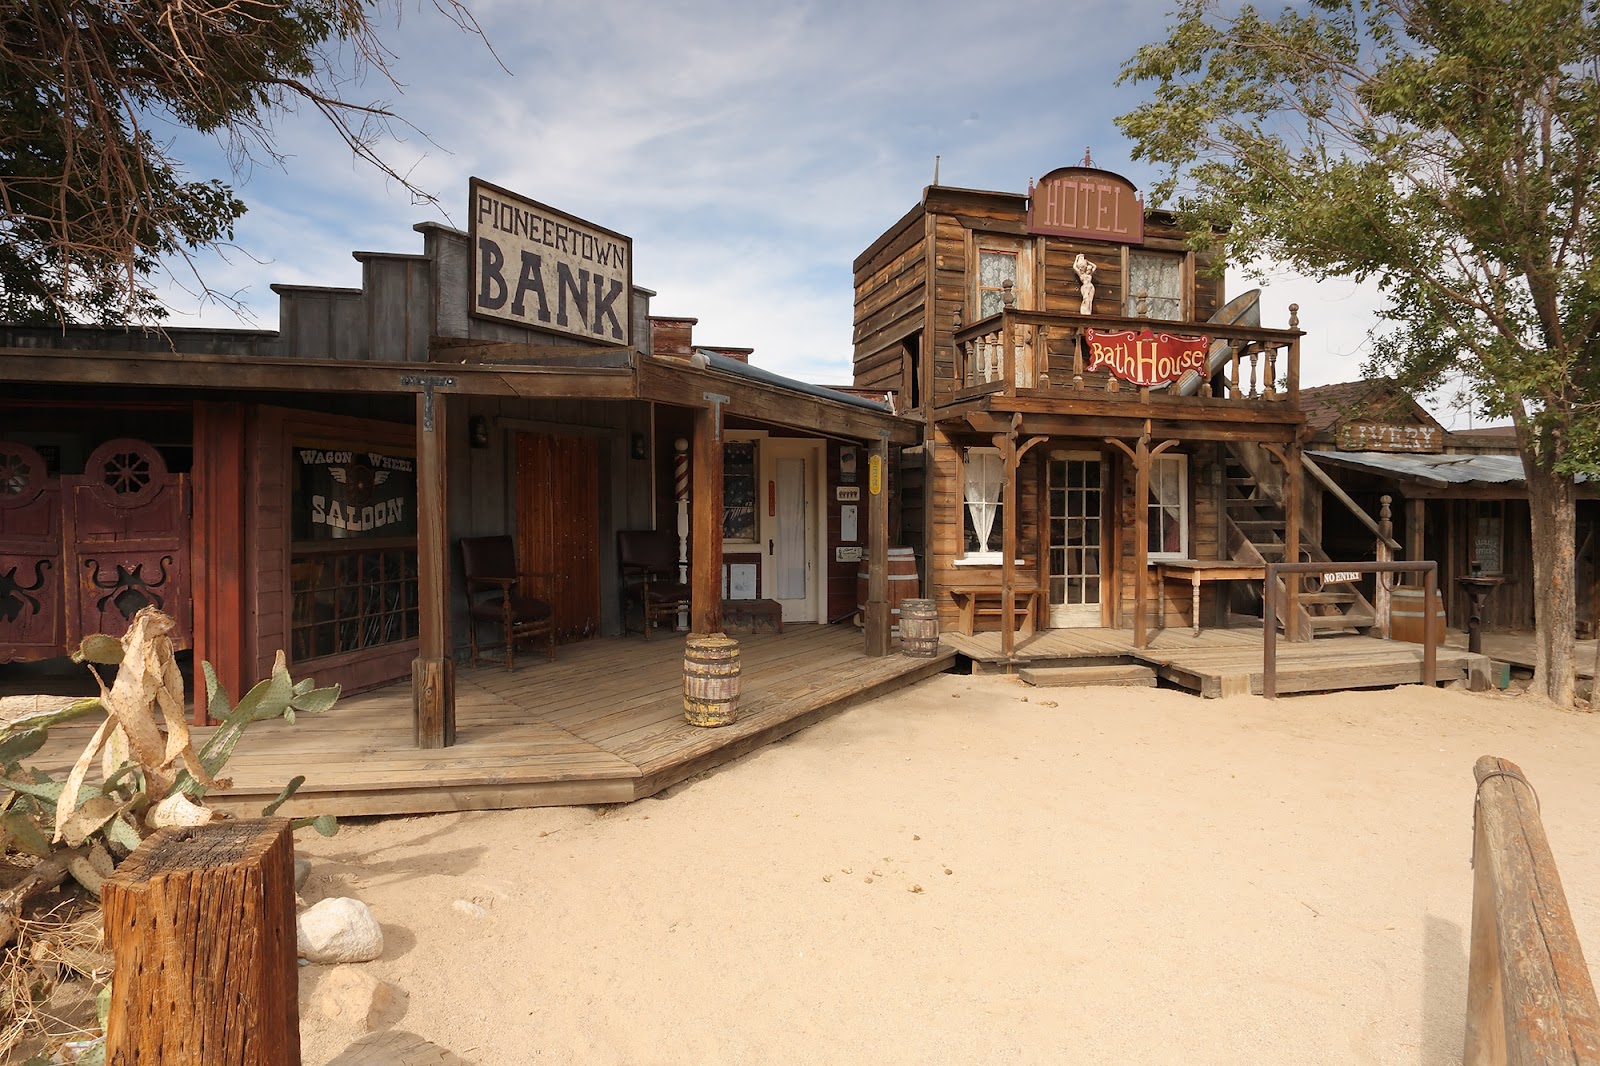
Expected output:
(1146, 358)
(534, 266)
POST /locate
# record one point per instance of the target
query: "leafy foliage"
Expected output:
(1448, 150)
(91, 198)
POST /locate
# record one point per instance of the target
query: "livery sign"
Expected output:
(1146, 358)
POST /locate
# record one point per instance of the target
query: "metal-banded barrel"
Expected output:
(919, 628)
(1406, 615)
(901, 571)
(710, 680)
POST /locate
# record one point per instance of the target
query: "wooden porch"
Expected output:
(602, 724)
(1225, 662)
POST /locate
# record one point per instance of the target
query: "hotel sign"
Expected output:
(1146, 358)
(1083, 202)
(534, 266)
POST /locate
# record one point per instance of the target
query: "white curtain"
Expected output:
(985, 475)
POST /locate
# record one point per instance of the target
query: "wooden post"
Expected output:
(1008, 544)
(1414, 518)
(201, 925)
(680, 480)
(1530, 1001)
(1141, 536)
(876, 617)
(1294, 358)
(1294, 476)
(433, 672)
(219, 544)
(1381, 604)
(705, 605)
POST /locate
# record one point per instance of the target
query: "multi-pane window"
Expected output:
(1168, 506)
(1160, 278)
(347, 599)
(994, 270)
(1075, 531)
(739, 491)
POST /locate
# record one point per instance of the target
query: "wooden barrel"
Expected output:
(710, 680)
(902, 584)
(1405, 615)
(919, 628)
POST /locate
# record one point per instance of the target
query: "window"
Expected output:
(1160, 278)
(994, 270)
(982, 521)
(1168, 534)
(739, 491)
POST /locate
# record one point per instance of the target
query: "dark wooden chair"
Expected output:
(497, 594)
(649, 562)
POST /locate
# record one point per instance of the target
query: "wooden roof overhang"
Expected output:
(1126, 416)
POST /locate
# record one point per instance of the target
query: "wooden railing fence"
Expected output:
(1530, 1001)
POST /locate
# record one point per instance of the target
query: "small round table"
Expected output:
(1477, 588)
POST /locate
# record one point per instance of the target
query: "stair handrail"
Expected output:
(1343, 497)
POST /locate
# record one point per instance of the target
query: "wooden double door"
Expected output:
(558, 526)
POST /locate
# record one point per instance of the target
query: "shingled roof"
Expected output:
(1364, 401)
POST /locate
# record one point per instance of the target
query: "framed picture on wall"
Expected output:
(847, 464)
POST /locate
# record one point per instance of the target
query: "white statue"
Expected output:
(1085, 272)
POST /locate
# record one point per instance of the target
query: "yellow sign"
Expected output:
(875, 474)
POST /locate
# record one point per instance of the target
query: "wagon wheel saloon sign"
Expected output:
(1146, 358)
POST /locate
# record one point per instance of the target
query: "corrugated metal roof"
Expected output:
(1440, 469)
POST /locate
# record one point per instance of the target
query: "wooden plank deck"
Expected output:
(602, 724)
(1223, 662)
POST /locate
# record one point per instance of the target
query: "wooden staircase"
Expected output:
(1253, 527)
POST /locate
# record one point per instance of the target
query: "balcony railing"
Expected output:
(1032, 352)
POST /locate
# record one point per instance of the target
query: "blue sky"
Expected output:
(749, 152)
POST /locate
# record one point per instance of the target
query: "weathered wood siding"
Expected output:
(890, 286)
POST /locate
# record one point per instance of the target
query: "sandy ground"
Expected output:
(975, 871)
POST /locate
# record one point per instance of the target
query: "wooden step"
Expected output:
(1354, 620)
(1080, 676)
(1307, 598)
(1257, 525)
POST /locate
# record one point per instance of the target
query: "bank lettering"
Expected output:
(1146, 358)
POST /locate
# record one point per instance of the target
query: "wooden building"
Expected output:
(305, 489)
(1106, 438)
(1457, 498)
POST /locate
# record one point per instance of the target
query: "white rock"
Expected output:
(302, 870)
(339, 930)
(471, 909)
(351, 994)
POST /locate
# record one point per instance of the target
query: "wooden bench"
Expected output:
(752, 616)
(984, 601)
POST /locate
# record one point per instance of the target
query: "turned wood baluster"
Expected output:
(1233, 376)
(1142, 308)
(1042, 358)
(1077, 359)
(1255, 363)
(1271, 391)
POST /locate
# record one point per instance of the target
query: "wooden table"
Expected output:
(1195, 571)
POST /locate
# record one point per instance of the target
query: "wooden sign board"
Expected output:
(1146, 358)
(1388, 437)
(1085, 202)
(537, 267)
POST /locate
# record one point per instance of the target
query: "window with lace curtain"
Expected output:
(983, 473)
(1167, 536)
(1160, 277)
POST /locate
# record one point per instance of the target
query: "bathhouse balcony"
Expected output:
(1053, 360)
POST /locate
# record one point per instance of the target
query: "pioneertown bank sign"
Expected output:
(541, 268)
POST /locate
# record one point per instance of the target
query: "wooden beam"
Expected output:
(705, 571)
(221, 533)
(433, 689)
(876, 615)
(1008, 541)
(201, 926)
(1294, 478)
(1415, 513)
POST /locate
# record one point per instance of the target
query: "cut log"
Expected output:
(200, 922)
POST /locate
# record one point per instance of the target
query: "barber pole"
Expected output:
(681, 486)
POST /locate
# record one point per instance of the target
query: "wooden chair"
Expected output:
(649, 562)
(491, 568)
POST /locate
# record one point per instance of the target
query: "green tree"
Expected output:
(92, 201)
(1446, 149)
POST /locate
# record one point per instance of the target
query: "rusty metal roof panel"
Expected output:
(1439, 469)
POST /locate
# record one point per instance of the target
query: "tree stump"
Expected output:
(201, 924)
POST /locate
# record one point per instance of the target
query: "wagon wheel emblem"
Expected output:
(22, 474)
(126, 472)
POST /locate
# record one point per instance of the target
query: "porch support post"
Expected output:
(1141, 538)
(1008, 535)
(433, 678)
(1294, 476)
(705, 590)
(876, 617)
(1414, 550)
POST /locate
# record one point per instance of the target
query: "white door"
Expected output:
(1075, 482)
(790, 570)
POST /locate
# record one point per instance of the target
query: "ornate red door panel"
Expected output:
(127, 541)
(32, 619)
